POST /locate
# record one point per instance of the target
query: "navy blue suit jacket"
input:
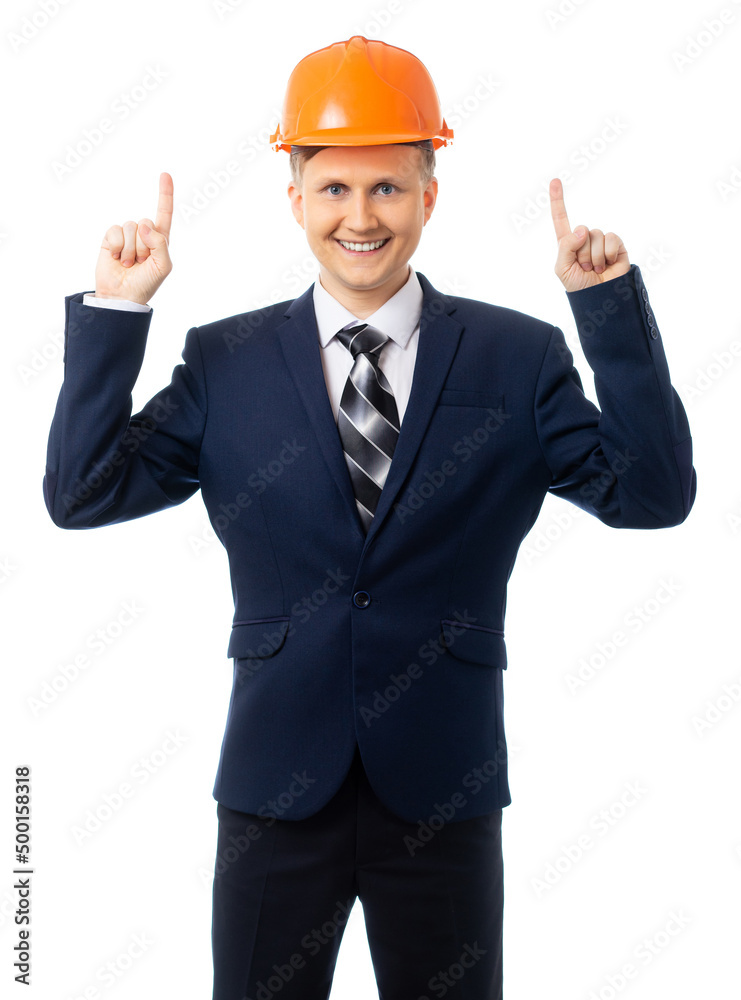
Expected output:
(395, 639)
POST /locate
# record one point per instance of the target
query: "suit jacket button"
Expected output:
(361, 599)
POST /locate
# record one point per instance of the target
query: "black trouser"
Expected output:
(283, 894)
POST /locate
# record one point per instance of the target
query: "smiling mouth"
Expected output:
(370, 247)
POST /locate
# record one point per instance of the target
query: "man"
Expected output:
(371, 455)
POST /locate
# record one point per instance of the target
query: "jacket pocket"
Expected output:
(258, 638)
(474, 643)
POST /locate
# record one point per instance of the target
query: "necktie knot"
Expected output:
(362, 339)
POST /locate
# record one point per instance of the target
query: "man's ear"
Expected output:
(430, 198)
(297, 203)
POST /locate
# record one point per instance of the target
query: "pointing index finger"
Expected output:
(163, 219)
(558, 210)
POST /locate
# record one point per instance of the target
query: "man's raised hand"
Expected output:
(585, 256)
(134, 259)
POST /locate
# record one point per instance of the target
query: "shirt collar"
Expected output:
(398, 317)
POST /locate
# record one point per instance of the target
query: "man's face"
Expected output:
(361, 195)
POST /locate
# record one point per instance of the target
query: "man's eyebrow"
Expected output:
(331, 179)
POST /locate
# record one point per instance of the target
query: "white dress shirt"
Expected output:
(398, 318)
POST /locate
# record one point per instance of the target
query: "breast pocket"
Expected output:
(471, 397)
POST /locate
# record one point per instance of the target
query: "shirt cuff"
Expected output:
(90, 299)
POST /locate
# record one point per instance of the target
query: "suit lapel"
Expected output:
(438, 341)
(299, 341)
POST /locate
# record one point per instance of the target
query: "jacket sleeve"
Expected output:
(104, 465)
(629, 463)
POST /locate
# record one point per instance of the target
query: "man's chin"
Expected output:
(355, 279)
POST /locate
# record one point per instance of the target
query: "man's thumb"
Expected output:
(578, 237)
(153, 240)
(569, 245)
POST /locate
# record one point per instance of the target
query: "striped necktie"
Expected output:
(368, 421)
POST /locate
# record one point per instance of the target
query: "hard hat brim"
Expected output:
(350, 137)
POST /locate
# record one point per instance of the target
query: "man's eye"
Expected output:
(390, 188)
(334, 188)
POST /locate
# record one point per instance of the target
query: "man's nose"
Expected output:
(361, 216)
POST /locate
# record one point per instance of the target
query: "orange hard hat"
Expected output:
(360, 93)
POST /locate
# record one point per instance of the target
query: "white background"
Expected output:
(530, 92)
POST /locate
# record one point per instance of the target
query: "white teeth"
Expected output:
(362, 246)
